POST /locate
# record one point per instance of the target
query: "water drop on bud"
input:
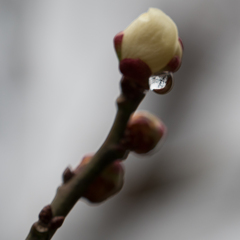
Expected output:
(161, 83)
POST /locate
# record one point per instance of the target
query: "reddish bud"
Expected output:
(118, 44)
(56, 222)
(136, 70)
(67, 175)
(46, 214)
(143, 132)
(108, 183)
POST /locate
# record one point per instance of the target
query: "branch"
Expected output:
(74, 184)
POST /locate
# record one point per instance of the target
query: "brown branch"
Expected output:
(74, 185)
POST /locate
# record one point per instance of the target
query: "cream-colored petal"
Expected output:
(152, 37)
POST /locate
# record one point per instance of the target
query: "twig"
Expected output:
(74, 185)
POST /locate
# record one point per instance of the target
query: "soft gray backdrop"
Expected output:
(59, 79)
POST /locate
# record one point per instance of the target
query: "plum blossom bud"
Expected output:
(108, 183)
(46, 214)
(150, 44)
(144, 130)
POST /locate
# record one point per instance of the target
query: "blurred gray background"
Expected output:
(59, 79)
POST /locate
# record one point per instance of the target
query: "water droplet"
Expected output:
(161, 83)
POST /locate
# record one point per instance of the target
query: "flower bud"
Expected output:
(144, 130)
(149, 44)
(46, 214)
(108, 183)
(56, 222)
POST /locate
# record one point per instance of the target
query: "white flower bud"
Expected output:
(152, 38)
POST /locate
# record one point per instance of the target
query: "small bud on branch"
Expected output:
(67, 175)
(46, 214)
(56, 223)
(106, 184)
(143, 132)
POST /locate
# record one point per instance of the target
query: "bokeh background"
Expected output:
(59, 79)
